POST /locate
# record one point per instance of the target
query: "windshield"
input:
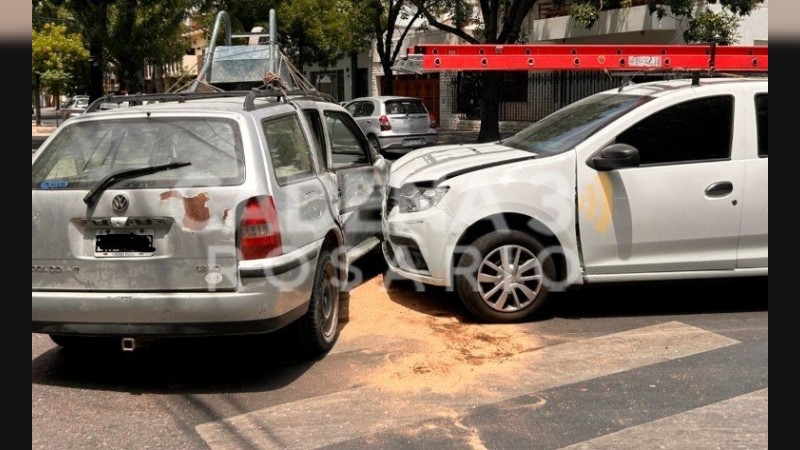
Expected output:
(83, 153)
(564, 129)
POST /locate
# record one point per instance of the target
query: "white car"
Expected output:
(656, 181)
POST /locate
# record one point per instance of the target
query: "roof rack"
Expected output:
(250, 96)
(256, 70)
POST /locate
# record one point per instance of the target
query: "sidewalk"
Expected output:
(42, 130)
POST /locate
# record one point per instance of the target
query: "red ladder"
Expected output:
(689, 57)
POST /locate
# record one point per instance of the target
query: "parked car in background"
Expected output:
(75, 106)
(197, 214)
(664, 180)
(393, 123)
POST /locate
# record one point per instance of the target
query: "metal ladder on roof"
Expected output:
(234, 67)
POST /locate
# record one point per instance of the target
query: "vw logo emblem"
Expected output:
(120, 203)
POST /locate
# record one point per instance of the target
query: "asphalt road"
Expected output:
(673, 366)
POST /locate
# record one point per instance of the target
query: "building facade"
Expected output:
(547, 23)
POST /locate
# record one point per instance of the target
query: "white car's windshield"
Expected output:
(565, 128)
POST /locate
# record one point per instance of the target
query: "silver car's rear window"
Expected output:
(405, 107)
(83, 153)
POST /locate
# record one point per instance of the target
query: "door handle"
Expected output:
(719, 189)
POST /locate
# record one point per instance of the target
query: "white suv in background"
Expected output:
(665, 180)
(394, 124)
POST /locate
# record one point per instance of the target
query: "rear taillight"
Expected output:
(260, 235)
(432, 119)
(384, 122)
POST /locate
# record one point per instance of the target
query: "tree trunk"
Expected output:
(38, 99)
(388, 78)
(353, 78)
(96, 70)
(492, 83)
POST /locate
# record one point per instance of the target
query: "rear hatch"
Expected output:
(408, 116)
(137, 204)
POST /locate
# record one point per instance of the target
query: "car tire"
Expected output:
(491, 285)
(319, 327)
(68, 341)
(373, 141)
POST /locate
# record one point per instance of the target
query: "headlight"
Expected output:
(415, 199)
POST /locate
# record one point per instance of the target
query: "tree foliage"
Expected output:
(122, 36)
(321, 31)
(54, 53)
(308, 31)
(144, 32)
(391, 22)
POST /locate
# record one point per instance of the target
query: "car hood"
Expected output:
(438, 163)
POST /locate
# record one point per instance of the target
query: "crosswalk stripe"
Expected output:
(698, 429)
(362, 411)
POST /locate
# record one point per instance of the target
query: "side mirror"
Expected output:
(614, 156)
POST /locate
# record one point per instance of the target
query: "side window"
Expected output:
(347, 150)
(761, 124)
(319, 135)
(352, 108)
(288, 149)
(367, 108)
(696, 130)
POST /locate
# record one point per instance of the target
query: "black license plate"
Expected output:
(128, 243)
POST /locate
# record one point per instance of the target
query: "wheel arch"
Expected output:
(510, 221)
(334, 242)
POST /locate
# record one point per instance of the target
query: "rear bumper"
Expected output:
(164, 314)
(408, 141)
(272, 294)
(170, 330)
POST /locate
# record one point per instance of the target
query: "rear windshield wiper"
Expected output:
(110, 179)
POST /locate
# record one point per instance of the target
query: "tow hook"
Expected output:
(128, 344)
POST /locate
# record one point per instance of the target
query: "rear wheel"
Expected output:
(502, 278)
(319, 327)
(73, 342)
(68, 341)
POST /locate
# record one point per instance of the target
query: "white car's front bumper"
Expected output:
(419, 246)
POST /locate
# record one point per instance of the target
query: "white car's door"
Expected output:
(677, 209)
(753, 242)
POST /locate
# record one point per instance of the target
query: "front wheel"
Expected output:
(502, 277)
(319, 327)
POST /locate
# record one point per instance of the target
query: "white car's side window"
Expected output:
(696, 130)
(761, 124)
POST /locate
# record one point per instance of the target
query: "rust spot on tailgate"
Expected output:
(196, 213)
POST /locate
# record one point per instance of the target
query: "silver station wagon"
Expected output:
(195, 214)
